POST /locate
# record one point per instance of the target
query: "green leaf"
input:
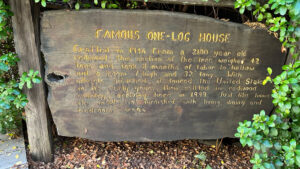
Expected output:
(242, 10)
(243, 142)
(285, 67)
(271, 124)
(297, 32)
(286, 148)
(36, 80)
(273, 132)
(16, 92)
(260, 17)
(201, 156)
(256, 145)
(283, 75)
(298, 152)
(267, 144)
(258, 137)
(208, 167)
(249, 142)
(269, 70)
(298, 160)
(4, 67)
(77, 6)
(262, 113)
(264, 82)
(285, 126)
(21, 84)
(266, 131)
(36, 1)
(31, 72)
(278, 163)
(29, 85)
(296, 109)
(296, 8)
(273, 117)
(43, 3)
(103, 4)
(23, 103)
(267, 165)
(293, 143)
(282, 10)
(114, 6)
(284, 87)
(236, 4)
(277, 146)
(96, 2)
(293, 80)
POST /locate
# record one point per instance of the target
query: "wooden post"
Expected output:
(26, 37)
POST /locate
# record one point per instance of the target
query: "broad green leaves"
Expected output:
(277, 136)
(5, 29)
(12, 101)
(202, 157)
(43, 3)
(29, 78)
(77, 6)
(282, 16)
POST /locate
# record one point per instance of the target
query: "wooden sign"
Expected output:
(151, 75)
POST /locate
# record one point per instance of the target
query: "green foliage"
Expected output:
(5, 30)
(283, 16)
(12, 101)
(202, 157)
(105, 4)
(276, 138)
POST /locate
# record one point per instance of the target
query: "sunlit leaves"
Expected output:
(43, 3)
(281, 16)
(103, 4)
(276, 136)
(77, 6)
(12, 101)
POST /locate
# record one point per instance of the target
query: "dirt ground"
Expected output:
(86, 154)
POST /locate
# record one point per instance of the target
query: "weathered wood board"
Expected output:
(153, 75)
(25, 24)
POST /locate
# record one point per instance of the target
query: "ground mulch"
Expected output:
(85, 154)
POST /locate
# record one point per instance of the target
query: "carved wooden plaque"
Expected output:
(152, 75)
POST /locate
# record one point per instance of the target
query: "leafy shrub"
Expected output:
(12, 101)
(105, 4)
(276, 138)
(202, 157)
